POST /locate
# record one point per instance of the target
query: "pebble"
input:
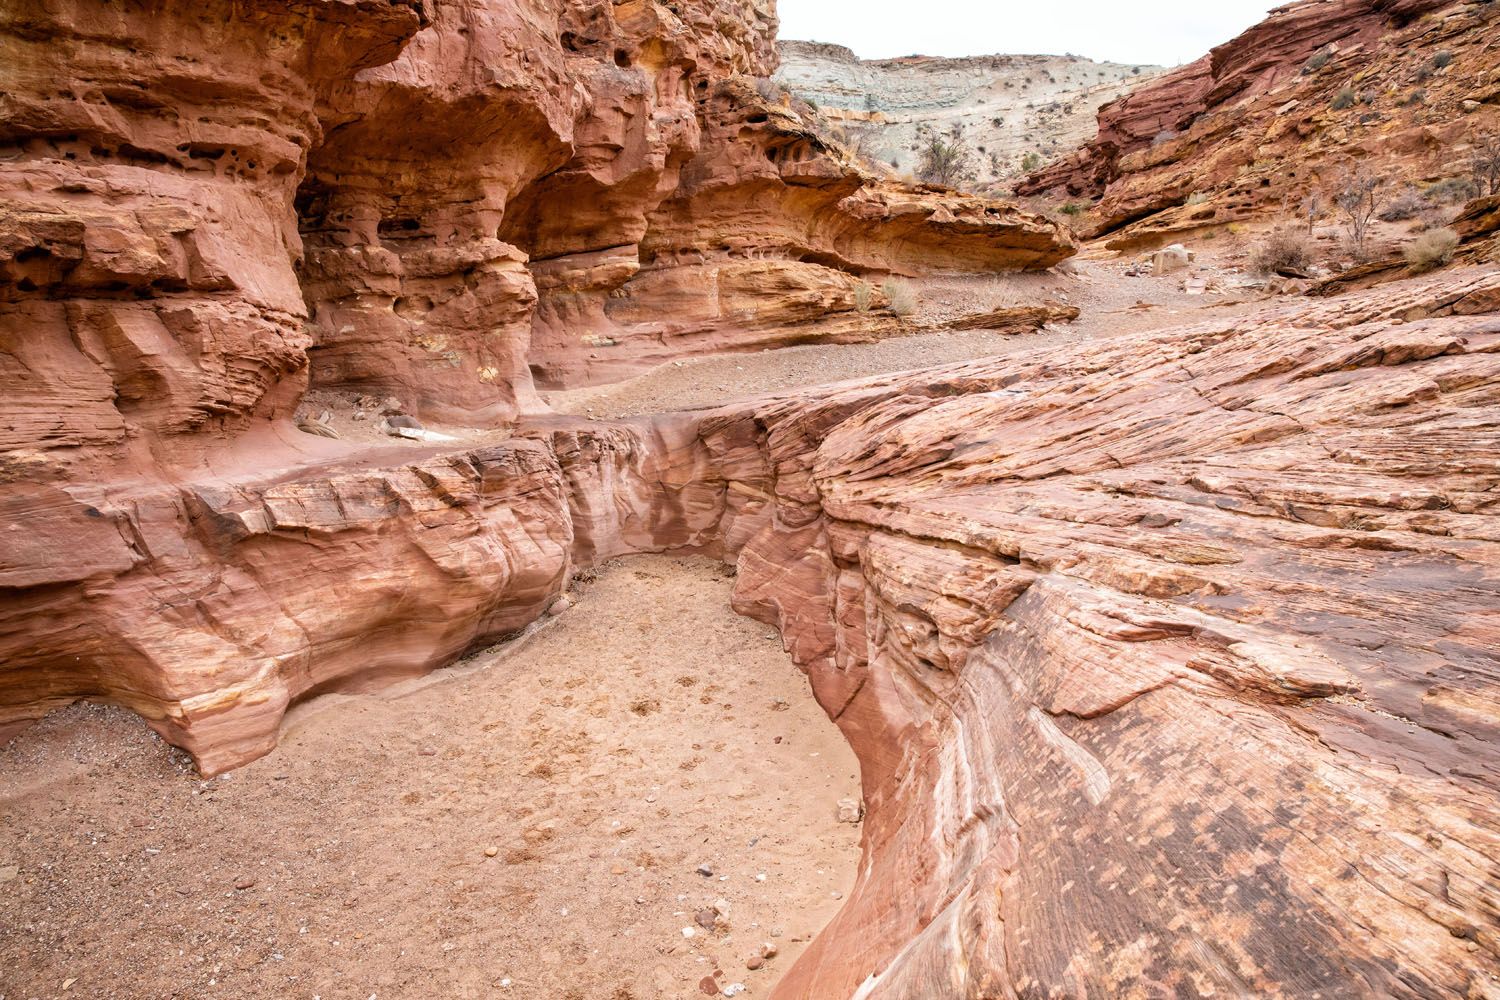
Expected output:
(734, 989)
(688, 932)
(244, 883)
(754, 962)
(490, 852)
(769, 950)
(705, 871)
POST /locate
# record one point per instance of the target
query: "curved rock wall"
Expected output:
(147, 242)
(1170, 662)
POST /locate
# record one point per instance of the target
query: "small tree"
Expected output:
(1486, 165)
(946, 158)
(1357, 197)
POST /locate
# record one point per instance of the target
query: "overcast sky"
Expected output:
(1161, 32)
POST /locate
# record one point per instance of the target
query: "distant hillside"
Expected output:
(1010, 105)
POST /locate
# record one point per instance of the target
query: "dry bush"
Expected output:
(1357, 197)
(902, 298)
(1344, 99)
(1283, 250)
(864, 297)
(1431, 250)
(946, 158)
(1406, 205)
(1486, 165)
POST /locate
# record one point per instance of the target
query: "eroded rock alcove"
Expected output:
(1169, 661)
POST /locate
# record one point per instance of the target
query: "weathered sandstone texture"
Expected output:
(1170, 662)
(460, 173)
(1008, 105)
(1284, 110)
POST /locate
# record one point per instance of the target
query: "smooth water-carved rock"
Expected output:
(1169, 660)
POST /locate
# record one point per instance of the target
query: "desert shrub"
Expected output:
(1073, 208)
(1357, 197)
(1451, 190)
(1282, 250)
(1416, 97)
(1485, 165)
(1441, 59)
(1344, 99)
(1197, 198)
(901, 297)
(1165, 135)
(946, 158)
(1031, 161)
(1431, 250)
(1317, 62)
(864, 297)
(1406, 205)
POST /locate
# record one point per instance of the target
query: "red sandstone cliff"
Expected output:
(1256, 125)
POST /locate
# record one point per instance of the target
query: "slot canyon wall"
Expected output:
(1171, 661)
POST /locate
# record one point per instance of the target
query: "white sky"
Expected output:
(1161, 32)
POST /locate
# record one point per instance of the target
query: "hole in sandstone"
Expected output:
(622, 58)
(537, 813)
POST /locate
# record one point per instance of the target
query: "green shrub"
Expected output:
(1441, 59)
(1031, 162)
(1317, 62)
(1344, 99)
(1431, 250)
(1073, 208)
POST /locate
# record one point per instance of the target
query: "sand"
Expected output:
(526, 824)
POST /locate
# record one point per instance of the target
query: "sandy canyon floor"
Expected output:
(527, 824)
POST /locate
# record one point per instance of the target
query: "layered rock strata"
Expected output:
(1169, 661)
(1287, 108)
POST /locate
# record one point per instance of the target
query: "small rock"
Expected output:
(706, 919)
(769, 950)
(734, 989)
(721, 907)
(688, 932)
(244, 883)
(705, 871)
(563, 603)
(391, 405)
(398, 421)
(836, 894)
(754, 962)
(68, 983)
(851, 810)
(490, 852)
